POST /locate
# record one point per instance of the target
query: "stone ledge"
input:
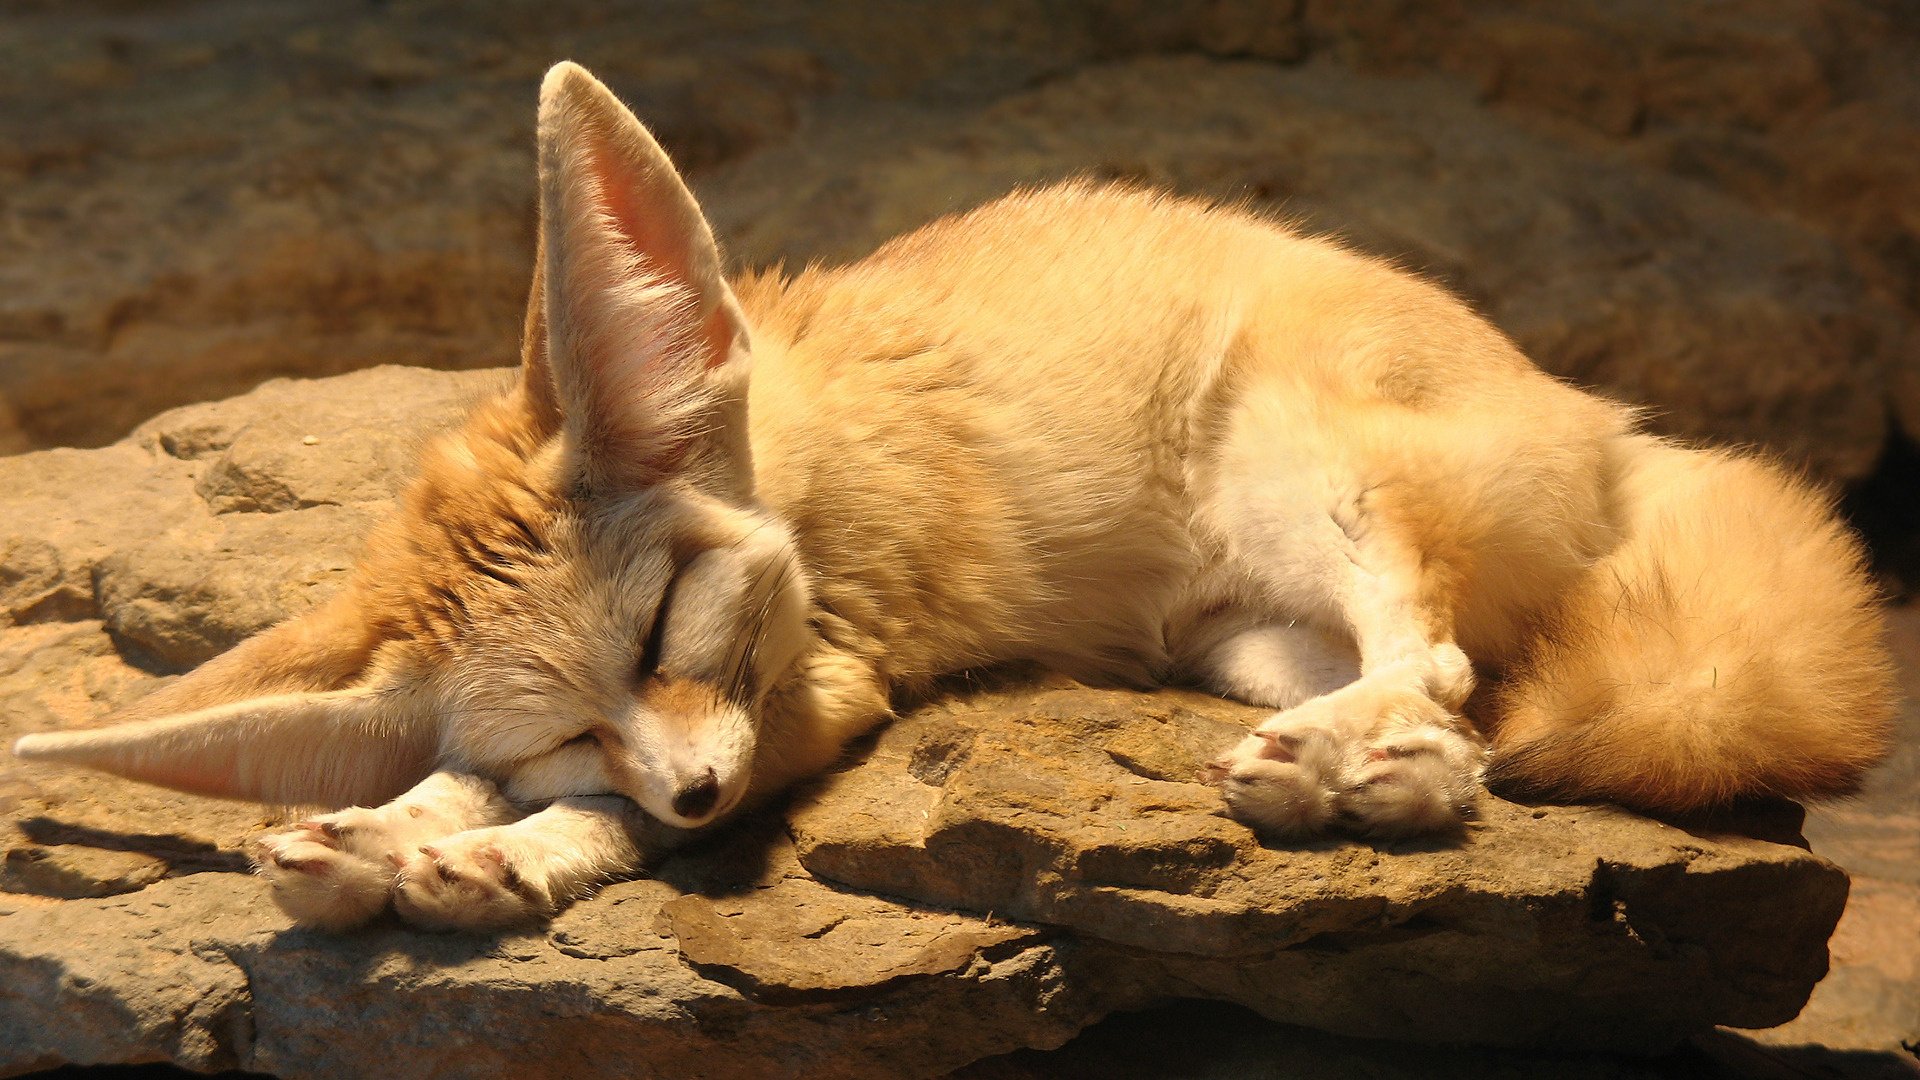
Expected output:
(1549, 926)
(999, 871)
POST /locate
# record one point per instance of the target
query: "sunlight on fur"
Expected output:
(718, 529)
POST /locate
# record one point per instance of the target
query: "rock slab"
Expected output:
(999, 869)
(1547, 926)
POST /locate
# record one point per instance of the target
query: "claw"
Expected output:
(511, 879)
(304, 866)
(1281, 748)
(438, 859)
(327, 831)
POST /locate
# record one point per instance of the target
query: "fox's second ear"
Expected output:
(270, 719)
(646, 342)
(335, 748)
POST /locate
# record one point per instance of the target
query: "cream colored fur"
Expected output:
(718, 528)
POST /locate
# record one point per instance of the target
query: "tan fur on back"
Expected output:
(1005, 402)
(998, 493)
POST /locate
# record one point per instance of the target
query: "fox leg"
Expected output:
(1386, 754)
(337, 870)
(526, 870)
(1248, 656)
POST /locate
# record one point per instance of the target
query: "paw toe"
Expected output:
(1397, 805)
(1424, 780)
(1277, 798)
(476, 889)
(318, 886)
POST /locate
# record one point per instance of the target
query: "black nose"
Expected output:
(698, 797)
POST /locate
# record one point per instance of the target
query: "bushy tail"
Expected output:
(1731, 646)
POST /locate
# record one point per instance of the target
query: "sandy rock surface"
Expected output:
(1004, 867)
(1708, 210)
(1549, 926)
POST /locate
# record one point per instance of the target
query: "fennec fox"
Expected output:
(717, 528)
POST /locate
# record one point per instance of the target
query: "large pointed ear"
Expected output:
(340, 747)
(647, 344)
(271, 719)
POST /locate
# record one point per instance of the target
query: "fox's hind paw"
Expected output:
(318, 883)
(1411, 781)
(1282, 780)
(1381, 764)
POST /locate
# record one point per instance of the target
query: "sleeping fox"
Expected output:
(717, 528)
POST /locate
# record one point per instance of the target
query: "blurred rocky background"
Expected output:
(1710, 208)
(1707, 208)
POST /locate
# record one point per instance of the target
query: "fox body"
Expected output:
(717, 528)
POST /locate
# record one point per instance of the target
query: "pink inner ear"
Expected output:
(644, 208)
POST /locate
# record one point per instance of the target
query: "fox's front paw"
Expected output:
(334, 872)
(1283, 779)
(475, 880)
(339, 870)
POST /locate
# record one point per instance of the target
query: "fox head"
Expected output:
(578, 594)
